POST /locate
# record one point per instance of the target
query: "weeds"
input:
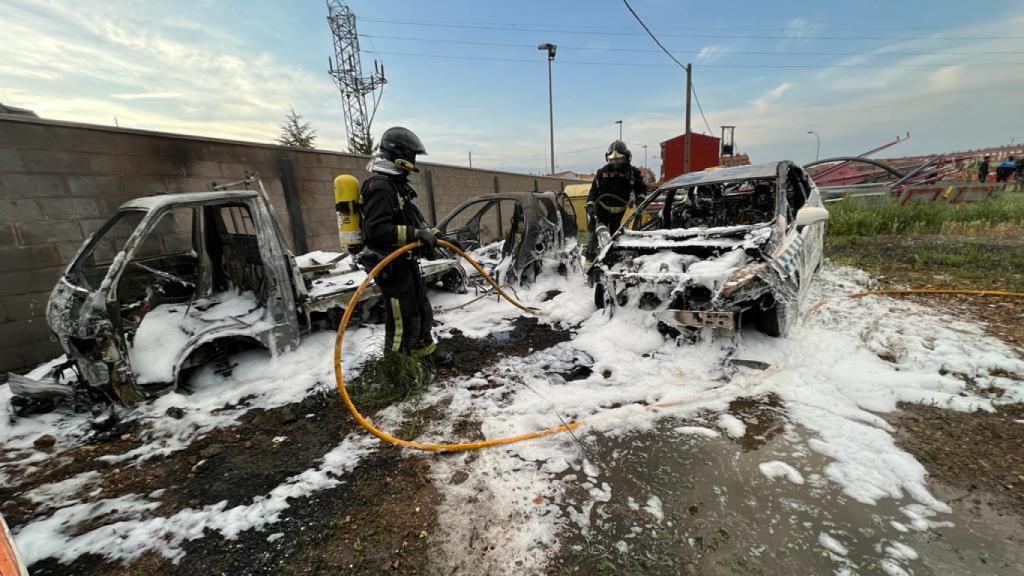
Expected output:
(1003, 214)
(935, 260)
(389, 378)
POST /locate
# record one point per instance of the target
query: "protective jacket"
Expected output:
(613, 186)
(389, 220)
(389, 217)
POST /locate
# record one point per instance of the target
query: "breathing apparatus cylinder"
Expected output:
(346, 202)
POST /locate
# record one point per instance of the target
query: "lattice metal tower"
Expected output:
(347, 72)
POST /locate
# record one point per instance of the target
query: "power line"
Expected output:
(651, 34)
(693, 89)
(530, 28)
(651, 50)
(711, 65)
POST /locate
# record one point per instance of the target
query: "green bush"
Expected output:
(862, 219)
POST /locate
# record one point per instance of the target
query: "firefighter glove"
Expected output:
(427, 237)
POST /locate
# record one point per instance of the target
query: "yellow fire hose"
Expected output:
(340, 379)
(462, 446)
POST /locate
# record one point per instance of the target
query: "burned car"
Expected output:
(722, 248)
(512, 235)
(175, 281)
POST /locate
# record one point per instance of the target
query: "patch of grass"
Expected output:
(935, 261)
(389, 378)
(1005, 212)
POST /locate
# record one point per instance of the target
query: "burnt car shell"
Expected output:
(88, 316)
(540, 228)
(723, 247)
(175, 281)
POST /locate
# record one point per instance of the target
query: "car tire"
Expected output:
(774, 321)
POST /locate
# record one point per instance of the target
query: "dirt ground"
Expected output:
(379, 520)
(975, 455)
(978, 452)
(933, 261)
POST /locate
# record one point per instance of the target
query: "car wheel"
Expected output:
(774, 321)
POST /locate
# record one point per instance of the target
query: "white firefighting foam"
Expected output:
(853, 360)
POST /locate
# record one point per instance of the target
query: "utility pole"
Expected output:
(686, 138)
(619, 122)
(551, 107)
(645, 156)
(470, 158)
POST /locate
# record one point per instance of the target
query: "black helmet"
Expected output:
(401, 146)
(616, 151)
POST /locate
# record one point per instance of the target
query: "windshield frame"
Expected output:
(73, 273)
(662, 192)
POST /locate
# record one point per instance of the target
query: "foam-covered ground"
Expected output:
(854, 359)
(522, 503)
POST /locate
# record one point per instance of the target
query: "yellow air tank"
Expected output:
(346, 202)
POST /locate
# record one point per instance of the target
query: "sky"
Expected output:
(467, 76)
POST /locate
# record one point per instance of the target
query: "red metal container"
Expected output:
(703, 154)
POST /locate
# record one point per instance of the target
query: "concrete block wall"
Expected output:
(59, 181)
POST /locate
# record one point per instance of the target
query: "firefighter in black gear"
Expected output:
(616, 185)
(390, 220)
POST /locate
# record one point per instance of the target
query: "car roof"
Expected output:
(163, 200)
(715, 175)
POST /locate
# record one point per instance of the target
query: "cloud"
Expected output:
(147, 95)
(124, 61)
(957, 105)
(947, 77)
(91, 60)
(795, 30)
(772, 95)
(711, 52)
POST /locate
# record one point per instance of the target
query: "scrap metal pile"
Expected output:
(907, 179)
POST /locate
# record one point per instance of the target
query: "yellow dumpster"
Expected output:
(577, 194)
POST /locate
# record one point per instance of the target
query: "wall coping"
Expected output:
(14, 118)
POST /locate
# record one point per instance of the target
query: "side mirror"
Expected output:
(811, 215)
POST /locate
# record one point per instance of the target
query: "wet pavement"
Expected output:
(666, 502)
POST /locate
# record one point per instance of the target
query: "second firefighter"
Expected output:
(616, 185)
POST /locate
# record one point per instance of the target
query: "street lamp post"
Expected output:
(817, 149)
(619, 122)
(645, 155)
(551, 108)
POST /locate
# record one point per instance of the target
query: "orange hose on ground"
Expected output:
(945, 291)
(430, 447)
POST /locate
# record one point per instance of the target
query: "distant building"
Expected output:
(15, 111)
(570, 175)
(703, 154)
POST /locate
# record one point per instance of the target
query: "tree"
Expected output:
(295, 132)
(363, 147)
